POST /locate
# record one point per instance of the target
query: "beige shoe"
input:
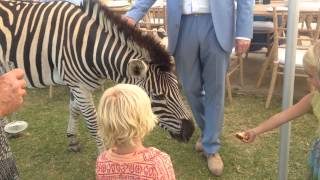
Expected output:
(198, 146)
(215, 164)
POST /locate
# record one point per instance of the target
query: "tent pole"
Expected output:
(288, 86)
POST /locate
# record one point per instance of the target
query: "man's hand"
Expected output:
(12, 90)
(242, 45)
(129, 20)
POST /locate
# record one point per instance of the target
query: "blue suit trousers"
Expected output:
(201, 65)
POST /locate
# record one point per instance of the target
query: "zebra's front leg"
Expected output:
(73, 125)
(84, 101)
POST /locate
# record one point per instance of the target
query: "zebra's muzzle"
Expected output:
(187, 129)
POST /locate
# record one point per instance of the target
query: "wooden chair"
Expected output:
(261, 29)
(278, 1)
(276, 58)
(155, 18)
(308, 29)
(235, 64)
(154, 23)
(263, 1)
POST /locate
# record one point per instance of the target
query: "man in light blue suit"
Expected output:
(201, 36)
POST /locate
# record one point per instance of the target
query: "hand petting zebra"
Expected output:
(81, 46)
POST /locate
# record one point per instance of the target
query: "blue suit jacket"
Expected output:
(228, 21)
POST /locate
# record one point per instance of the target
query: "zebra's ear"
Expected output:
(137, 68)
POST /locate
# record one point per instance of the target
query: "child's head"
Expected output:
(311, 63)
(124, 115)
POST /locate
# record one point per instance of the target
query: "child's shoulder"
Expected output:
(157, 151)
(103, 155)
(152, 153)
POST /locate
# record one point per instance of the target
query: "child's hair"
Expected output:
(311, 59)
(124, 115)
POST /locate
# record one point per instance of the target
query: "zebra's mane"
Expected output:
(159, 56)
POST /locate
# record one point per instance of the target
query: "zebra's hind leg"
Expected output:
(74, 145)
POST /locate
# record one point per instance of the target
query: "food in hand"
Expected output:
(241, 136)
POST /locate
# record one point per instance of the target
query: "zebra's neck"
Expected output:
(113, 52)
(99, 49)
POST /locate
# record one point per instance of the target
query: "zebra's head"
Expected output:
(167, 104)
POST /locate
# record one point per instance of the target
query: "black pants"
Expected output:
(8, 170)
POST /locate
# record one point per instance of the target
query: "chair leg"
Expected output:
(272, 84)
(262, 72)
(228, 86)
(279, 80)
(247, 55)
(50, 92)
(269, 45)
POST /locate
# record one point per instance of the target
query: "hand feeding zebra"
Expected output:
(60, 43)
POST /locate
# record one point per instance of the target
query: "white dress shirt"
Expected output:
(199, 7)
(195, 6)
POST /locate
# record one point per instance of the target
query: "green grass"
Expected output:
(41, 153)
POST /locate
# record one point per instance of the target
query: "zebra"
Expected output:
(82, 46)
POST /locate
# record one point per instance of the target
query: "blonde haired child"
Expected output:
(311, 63)
(124, 118)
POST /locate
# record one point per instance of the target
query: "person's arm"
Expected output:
(138, 10)
(303, 106)
(244, 25)
(12, 90)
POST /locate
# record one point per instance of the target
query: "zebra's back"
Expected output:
(32, 34)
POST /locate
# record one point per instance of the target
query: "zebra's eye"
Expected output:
(158, 96)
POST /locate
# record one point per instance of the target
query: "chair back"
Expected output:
(308, 26)
(308, 33)
(308, 29)
(155, 18)
(278, 1)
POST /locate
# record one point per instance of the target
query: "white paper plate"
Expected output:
(15, 127)
(117, 4)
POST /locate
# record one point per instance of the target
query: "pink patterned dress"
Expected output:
(147, 164)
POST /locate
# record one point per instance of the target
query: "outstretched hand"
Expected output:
(247, 136)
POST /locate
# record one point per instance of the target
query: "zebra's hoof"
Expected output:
(74, 148)
(74, 145)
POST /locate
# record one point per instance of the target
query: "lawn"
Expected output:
(41, 152)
